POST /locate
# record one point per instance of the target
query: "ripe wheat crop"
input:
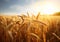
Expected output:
(29, 29)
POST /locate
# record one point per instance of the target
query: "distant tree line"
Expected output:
(57, 14)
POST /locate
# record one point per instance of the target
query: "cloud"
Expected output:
(16, 7)
(27, 8)
(32, 8)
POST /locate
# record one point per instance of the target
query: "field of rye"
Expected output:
(25, 28)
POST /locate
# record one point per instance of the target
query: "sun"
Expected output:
(45, 8)
(48, 9)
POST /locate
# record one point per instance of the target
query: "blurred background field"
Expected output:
(25, 28)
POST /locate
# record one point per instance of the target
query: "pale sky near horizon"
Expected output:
(24, 6)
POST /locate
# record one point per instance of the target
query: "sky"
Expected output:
(24, 6)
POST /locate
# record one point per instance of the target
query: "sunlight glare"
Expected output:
(48, 9)
(45, 9)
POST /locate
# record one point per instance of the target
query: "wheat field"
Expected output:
(29, 28)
